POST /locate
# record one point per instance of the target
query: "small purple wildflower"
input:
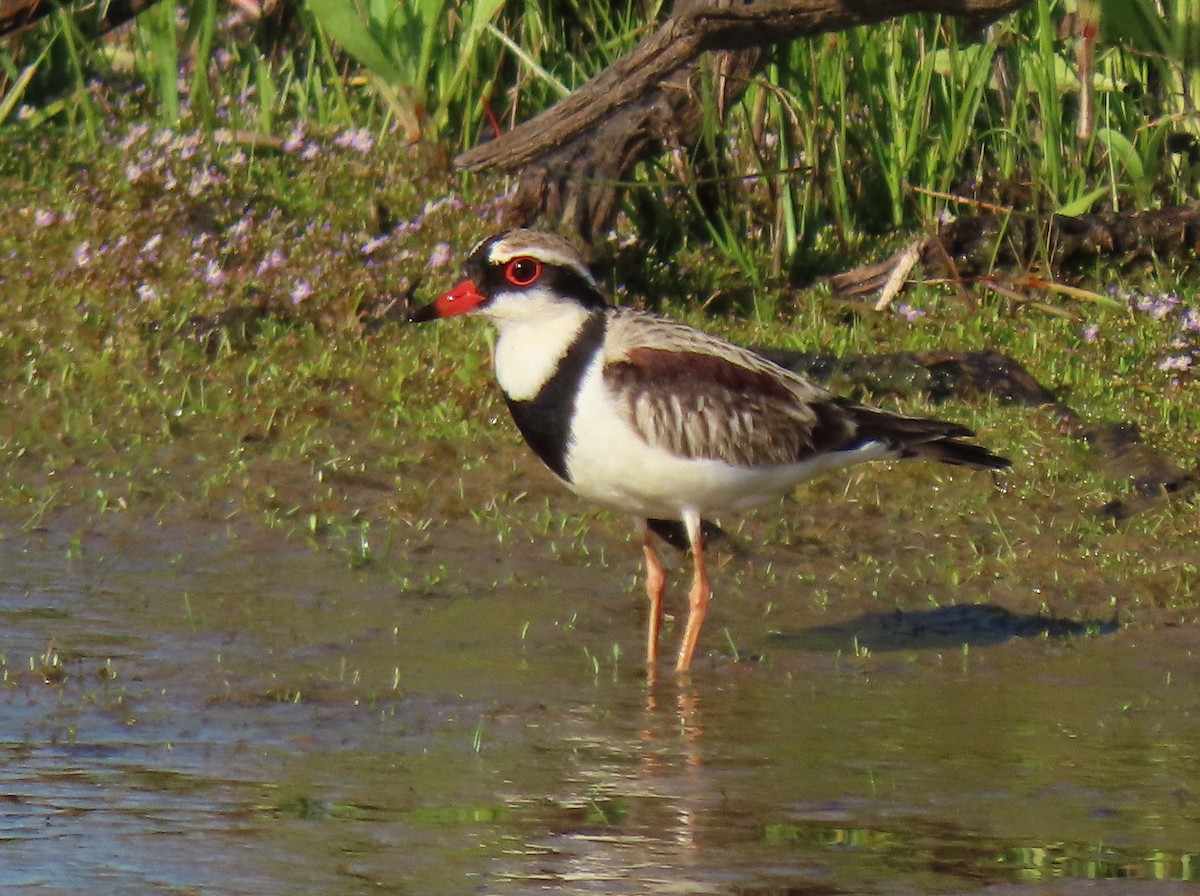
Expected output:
(1163, 306)
(213, 273)
(241, 228)
(496, 205)
(295, 139)
(369, 247)
(404, 228)
(147, 293)
(83, 254)
(1091, 332)
(301, 291)
(908, 312)
(1176, 362)
(271, 260)
(43, 218)
(440, 256)
(358, 139)
(201, 181)
(1157, 307)
(136, 133)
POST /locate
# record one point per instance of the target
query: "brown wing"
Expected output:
(700, 405)
(702, 397)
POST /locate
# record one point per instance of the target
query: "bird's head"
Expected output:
(518, 275)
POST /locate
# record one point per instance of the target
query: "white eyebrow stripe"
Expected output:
(546, 248)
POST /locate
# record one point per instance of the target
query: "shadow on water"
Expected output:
(943, 627)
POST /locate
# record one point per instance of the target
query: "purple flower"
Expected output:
(454, 203)
(83, 254)
(1157, 307)
(359, 139)
(369, 247)
(241, 228)
(1175, 362)
(43, 218)
(301, 291)
(136, 133)
(440, 256)
(295, 139)
(271, 260)
(213, 273)
(1163, 306)
(1091, 332)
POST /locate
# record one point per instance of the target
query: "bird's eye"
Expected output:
(523, 271)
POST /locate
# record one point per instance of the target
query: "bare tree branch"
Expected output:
(571, 156)
(100, 18)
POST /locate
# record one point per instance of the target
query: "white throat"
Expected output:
(532, 338)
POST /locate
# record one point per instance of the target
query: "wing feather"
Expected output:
(698, 396)
(701, 397)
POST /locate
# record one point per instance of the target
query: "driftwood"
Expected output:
(572, 158)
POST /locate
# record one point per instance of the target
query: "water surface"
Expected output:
(190, 707)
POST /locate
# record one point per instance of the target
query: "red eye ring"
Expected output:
(523, 271)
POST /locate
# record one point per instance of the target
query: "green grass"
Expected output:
(847, 139)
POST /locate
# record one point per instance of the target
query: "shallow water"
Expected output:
(190, 708)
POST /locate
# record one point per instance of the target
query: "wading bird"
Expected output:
(649, 416)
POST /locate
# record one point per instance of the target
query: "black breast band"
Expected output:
(545, 419)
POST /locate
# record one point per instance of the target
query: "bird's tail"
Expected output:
(952, 451)
(920, 437)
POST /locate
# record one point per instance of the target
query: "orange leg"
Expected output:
(697, 597)
(656, 584)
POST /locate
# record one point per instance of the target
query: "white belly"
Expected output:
(608, 462)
